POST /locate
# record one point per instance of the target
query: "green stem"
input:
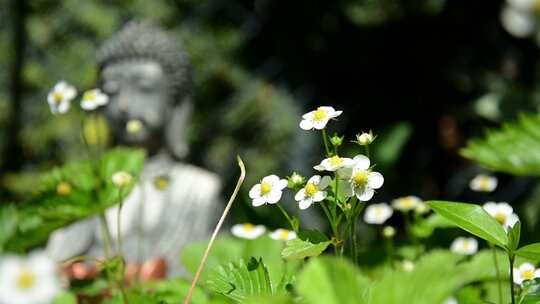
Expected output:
(511, 258)
(497, 272)
(367, 150)
(325, 140)
(106, 235)
(293, 226)
(118, 221)
(411, 234)
(389, 246)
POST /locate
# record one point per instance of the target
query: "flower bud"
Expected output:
(389, 232)
(336, 140)
(365, 139)
(122, 179)
(296, 180)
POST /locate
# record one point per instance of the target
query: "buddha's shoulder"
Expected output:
(195, 177)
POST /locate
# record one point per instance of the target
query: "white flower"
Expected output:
(59, 98)
(312, 192)
(421, 208)
(134, 126)
(377, 213)
(450, 300)
(389, 231)
(463, 245)
(503, 213)
(319, 118)
(362, 180)
(92, 99)
(483, 183)
(268, 191)
(519, 17)
(406, 203)
(525, 272)
(248, 231)
(365, 139)
(31, 280)
(121, 179)
(283, 235)
(334, 163)
(408, 265)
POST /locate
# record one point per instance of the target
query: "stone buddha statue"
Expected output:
(147, 76)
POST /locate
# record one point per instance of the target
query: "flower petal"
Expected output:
(303, 205)
(271, 179)
(366, 194)
(259, 201)
(315, 179)
(325, 181)
(361, 162)
(319, 196)
(255, 191)
(375, 180)
(274, 197)
(300, 195)
(281, 184)
(306, 124)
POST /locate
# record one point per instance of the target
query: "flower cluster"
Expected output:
(251, 232)
(61, 95)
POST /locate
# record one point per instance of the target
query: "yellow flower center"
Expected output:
(407, 202)
(57, 97)
(134, 126)
(360, 178)
(161, 182)
(311, 189)
(319, 114)
(265, 188)
(335, 161)
(90, 95)
(484, 184)
(248, 227)
(466, 244)
(501, 218)
(26, 280)
(63, 188)
(528, 274)
(284, 234)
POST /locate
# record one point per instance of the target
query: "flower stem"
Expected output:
(106, 235)
(367, 150)
(325, 140)
(497, 272)
(511, 258)
(293, 226)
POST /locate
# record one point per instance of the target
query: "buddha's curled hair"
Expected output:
(139, 40)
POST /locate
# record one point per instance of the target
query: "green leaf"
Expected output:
(299, 249)
(227, 249)
(312, 235)
(512, 149)
(240, 282)
(330, 280)
(88, 191)
(514, 234)
(530, 292)
(531, 251)
(473, 219)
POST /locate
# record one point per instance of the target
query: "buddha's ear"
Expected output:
(176, 132)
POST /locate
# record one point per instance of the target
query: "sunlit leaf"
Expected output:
(473, 219)
(299, 249)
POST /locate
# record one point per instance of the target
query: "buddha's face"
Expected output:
(140, 100)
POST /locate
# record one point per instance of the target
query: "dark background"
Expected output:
(426, 75)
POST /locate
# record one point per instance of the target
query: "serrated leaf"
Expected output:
(512, 149)
(298, 249)
(240, 282)
(473, 219)
(531, 251)
(312, 235)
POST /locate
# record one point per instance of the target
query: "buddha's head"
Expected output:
(147, 76)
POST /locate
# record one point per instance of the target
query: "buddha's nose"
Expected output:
(122, 100)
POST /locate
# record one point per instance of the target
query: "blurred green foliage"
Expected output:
(67, 194)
